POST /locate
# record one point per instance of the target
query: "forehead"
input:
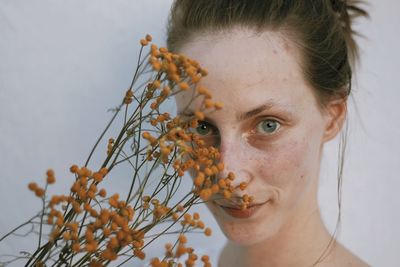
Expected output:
(247, 68)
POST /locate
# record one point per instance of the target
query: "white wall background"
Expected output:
(64, 63)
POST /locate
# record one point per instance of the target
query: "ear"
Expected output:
(336, 111)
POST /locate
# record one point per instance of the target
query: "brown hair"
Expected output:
(322, 29)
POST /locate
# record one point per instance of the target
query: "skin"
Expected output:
(276, 151)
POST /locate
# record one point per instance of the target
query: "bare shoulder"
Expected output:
(341, 256)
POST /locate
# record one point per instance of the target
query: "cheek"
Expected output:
(281, 164)
(287, 168)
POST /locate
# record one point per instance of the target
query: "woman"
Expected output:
(283, 71)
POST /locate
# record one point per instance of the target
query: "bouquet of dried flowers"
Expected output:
(87, 226)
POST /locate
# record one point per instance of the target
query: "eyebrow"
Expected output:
(254, 112)
(241, 117)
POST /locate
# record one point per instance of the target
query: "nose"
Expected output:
(235, 160)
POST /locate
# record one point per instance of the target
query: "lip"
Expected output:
(242, 214)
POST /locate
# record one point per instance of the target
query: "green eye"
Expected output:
(203, 128)
(268, 126)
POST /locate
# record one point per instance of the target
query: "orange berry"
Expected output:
(199, 179)
(107, 232)
(203, 72)
(204, 91)
(91, 247)
(208, 103)
(32, 186)
(139, 253)
(156, 66)
(183, 86)
(109, 255)
(163, 50)
(74, 168)
(231, 176)
(76, 247)
(50, 172)
(67, 236)
(144, 42)
(187, 216)
(51, 179)
(222, 183)
(214, 188)
(98, 177)
(205, 258)
(207, 231)
(205, 194)
(199, 115)
(227, 194)
(208, 171)
(220, 166)
(102, 193)
(251, 198)
(182, 238)
(200, 224)
(243, 185)
(149, 38)
(218, 105)
(180, 250)
(103, 171)
(175, 216)
(39, 192)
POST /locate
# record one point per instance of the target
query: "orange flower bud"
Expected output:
(102, 193)
(199, 115)
(91, 247)
(32, 186)
(39, 192)
(208, 171)
(51, 179)
(205, 258)
(182, 238)
(139, 253)
(205, 194)
(243, 185)
(184, 86)
(103, 171)
(149, 38)
(163, 50)
(200, 224)
(76, 247)
(144, 42)
(74, 168)
(98, 177)
(218, 105)
(207, 231)
(214, 188)
(199, 179)
(227, 194)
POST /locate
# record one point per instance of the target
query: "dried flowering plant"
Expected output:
(87, 226)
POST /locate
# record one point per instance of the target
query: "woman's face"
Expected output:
(270, 131)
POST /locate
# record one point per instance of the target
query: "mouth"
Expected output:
(236, 211)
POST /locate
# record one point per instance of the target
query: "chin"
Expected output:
(249, 231)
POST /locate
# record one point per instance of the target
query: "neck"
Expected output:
(299, 243)
(289, 248)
